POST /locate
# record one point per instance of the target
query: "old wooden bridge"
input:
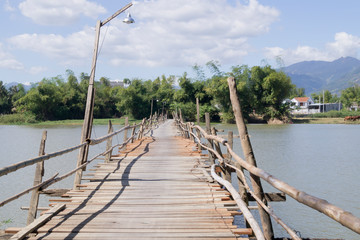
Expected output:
(167, 180)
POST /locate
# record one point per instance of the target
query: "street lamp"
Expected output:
(89, 109)
(128, 19)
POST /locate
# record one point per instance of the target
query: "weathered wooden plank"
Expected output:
(38, 222)
(149, 194)
(152, 234)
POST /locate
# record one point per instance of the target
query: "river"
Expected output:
(322, 160)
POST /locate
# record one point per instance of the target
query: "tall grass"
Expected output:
(17, 119)
(29, 119)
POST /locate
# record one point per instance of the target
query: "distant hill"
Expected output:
(26, 86)
(316, 76)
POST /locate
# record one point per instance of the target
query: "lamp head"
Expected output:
(128, 19)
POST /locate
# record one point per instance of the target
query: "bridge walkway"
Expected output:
(156, 188)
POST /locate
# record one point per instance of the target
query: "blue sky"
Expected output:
(42, 38)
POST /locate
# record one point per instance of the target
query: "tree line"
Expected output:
(261, 89)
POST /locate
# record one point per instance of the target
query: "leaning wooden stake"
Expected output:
(39, 173)
(109, 143)
(126, 131)
(208, 131)
(250, 158)
(230, 140)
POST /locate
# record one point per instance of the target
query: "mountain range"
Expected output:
(313, 76)
(27, 86)
(316, 76)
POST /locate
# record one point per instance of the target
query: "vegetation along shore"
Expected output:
(264, 93)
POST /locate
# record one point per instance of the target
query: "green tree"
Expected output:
(350, 95)
(5, 100)
(45, 101)
(297, 92)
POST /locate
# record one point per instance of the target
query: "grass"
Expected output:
(331, 117)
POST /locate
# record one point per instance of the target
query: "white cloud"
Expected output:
(172, 32)
(59, 12)
(8, 61)
(166, 33)
(36, 70)
(8, 7)
(72, 49)
(344, 45)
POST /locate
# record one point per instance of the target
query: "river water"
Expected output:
(322, 160)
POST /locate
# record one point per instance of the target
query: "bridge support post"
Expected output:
(250, 158)
(230, 140)
(109, 143)
(208, 131)
(39, 173)
(126, 131)
(197, 111)
(133, 133)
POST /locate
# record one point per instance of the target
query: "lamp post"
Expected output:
(89, 109)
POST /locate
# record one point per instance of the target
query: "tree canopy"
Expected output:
(261, 89)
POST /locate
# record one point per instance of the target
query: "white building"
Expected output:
(301, 102)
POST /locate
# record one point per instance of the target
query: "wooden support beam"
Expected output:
(249, 157)
(39, 173)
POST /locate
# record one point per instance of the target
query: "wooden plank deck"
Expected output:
(154, 189)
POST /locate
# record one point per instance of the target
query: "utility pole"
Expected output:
(89, 109)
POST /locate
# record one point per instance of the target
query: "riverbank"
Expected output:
(4, 120)
(312, 120)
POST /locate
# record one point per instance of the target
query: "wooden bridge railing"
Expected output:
(138, 131)
(226, 163)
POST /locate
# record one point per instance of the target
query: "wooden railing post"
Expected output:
(126, 131)
(199, 137)
(210, 142)
(249, 157)
(197, 111)
(39, 173)
(230, 140)
(133, 133)
(141, 131)
(190, 126)
(109, 143)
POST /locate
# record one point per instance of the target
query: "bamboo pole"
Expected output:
(29, 162)
(341, 216)
(266, 208)
(10, 199)
(109, 142)
(39, 173)
(250, 157)
(241, 204)
(345, 218)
